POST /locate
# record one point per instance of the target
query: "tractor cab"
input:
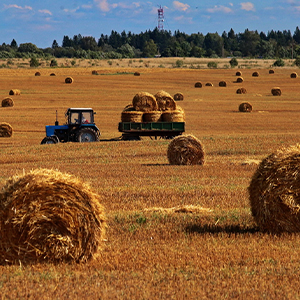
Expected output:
(79, 116)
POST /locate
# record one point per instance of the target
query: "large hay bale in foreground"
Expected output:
(152, 116)
(165, 101)
(241, 91)
(144, 101)
(7, 102)
(69, 80)
(276, 91)
(245, 107)
(132, 116)
(178, 97)
(14, 92)
(46, 215)
(294, 75)
(274, 191)
(185, 150)
(222, 83)
(6, 130)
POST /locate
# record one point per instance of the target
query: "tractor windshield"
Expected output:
(86, 117)
(81, 117)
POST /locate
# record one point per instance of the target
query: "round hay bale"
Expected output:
(173, 116)
(6, 130)
(132, 116)
(238, 73)
(255, 74)
(198, 84)
(144, 101)
(49, 216)
(178, 97)
(14, 92)
(165, 101)
(294, 75)
(94, 72)
(185, 150)
(274, 191)
(137, 74)
(69, 80)
(152, 116)
(129, 107)
(245, 107)
(276, 91)
(209, 84)
(222, 83)
(240, 79)
(241, 91)
(52, 74)
(37, 74)
(7, 102)
(271, 71)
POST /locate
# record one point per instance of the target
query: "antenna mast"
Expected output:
(160, 12)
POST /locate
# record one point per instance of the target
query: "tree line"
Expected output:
(151, 43)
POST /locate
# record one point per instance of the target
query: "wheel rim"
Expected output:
(87, 137)
(50, 142)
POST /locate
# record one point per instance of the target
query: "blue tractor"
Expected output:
(80, 127)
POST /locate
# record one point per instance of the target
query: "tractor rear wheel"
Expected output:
(49, 140)
(86, 135)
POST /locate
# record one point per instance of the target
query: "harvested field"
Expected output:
(151, 251)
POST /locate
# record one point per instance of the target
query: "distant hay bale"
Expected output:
(137, 74)
(52, 74)
(144, 101)
(46, 215)
(240, 79)
(238, 73)
(7, 102)
(94, 72)
(69, 80)
(245, 107)
(180, 209)
(152, 116)
(165, 101)
(271, 71)
(132, 116)
(185, 150)
(274, 191)
(178, 97)
(6, 130)
(294, 75)
(222, 83)
(37, 74)
(209, 84)
(276, 91)
(198, 84)
(14, 92)
(241, 91)
(255, 74)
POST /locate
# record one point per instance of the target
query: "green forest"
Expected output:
(151, 43)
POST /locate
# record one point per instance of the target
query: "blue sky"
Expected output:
(41, 22)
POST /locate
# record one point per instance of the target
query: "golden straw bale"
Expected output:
(94, 72)
(6, 130)
(240, 79)
(69, 80)
(173, 116)
(129, 107)
(198, 84)
(14, 92)
(222, 83)
(46, 215)
(271, 72)
(209, 84)
(185, 150)
(276, 91)
(132, 116)
(238, 73)
(152, 116)
(178, 97)
(7, 102)
(255, 74)
(144, 101)
(294, 75)
(274, 191)
(245, 107)
(37, 74)
(52, 74)
(241, 91)
(165, 101)
(137, 74)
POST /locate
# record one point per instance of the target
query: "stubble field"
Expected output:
(157, 255)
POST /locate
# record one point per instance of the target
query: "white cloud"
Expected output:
(103, 5)
(45, 11)
(220, 8)
(248, 6)
(26, 7)
(180, 6)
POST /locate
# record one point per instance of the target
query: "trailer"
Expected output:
(165, 130)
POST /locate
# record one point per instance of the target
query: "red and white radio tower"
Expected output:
(160, 12)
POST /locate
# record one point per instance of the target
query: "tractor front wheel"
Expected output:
(49, 140)
(87, 135)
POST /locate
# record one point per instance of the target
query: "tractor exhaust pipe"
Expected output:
(56, 122)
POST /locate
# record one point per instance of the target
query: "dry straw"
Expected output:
(6, 130)
(294, 75)
(7, 102)
(144, 101)
(152, 116)
(185, 150)
(240, 79)
(178, 97)
(241, 91)
(209, 84)
(14, 92)
(180, 209)
(274, 191)
(276, 91)
(198, 84)
(222, 83)
(255, 74)
(238, 73)
(245, 107)
(132, 116)
(165, 101)
(46, 215)
(69, 80)
(173, 116)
